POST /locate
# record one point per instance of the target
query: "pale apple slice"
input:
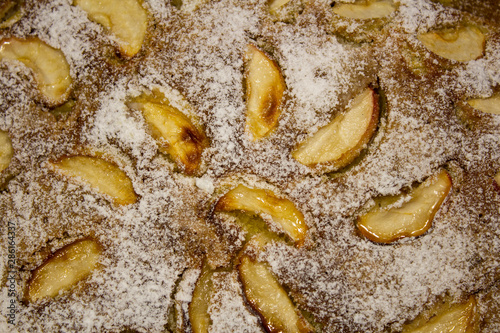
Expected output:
(49, 65)
(64, 269)
(103, 176)
(342, 140)
(487, 105)
(387, 221)
(456, 318)
(275, 4)
(127, 20)
(364, 11)
(264, 202)
(268, 298)
(6, 151)
(460, 44)
(175, 133)
(198, 308)
(264, 92)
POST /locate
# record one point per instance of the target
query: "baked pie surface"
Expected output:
(171, 230)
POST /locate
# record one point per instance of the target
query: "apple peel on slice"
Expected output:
(264, 92)
(49, 66)
(264, 202)
(487, 105)
(459, 44)
(342, 140)
(364, 11)
(6, 151)
(103, 176)
(127, 20)
(64, 269)
(387, 222)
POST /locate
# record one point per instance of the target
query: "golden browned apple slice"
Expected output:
(449, 318)
(269, 299)
(6, 151)
(127, 21)
(389, 221)
(342, 140)
(101, 175)
(64, 269)
(198, 308)
(49, 65)
(365, 10)
(175, 133)
(486, 105)
(460, 44)
(275, 4)
(10, 12)
(264, 202)
(264, 91)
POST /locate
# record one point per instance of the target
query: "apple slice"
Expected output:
(198, 308)
(275, 4)
(6, 151)
(103, 176)
(127, 20)
(342, 140)
(497, 178)
(387, 222)
(486, 105)
(264, 202)
(460, 44)
(269, 299)
(456, 318)
(364, 11)
(64, 269)
(175, 133)
(264, 91)
(49, 65)
(10, 12)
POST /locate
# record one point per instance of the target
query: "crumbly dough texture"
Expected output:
(193, 53)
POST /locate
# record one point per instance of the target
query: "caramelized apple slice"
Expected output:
(198, 308)
(387, 222)
(64, 269)
(126, 19)
(364, 11)
(6, 151)
(269, 299)
(460, 44)
(264, 202)
(103, 176)
(497, 178)
(49, 66)
(176, 134)
(341, 141)
(486, 105)
(10, 12)
(264, 91)
(275, 4)
(457, 318)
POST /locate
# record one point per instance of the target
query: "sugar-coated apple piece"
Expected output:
(127, 21)
(365, 10)
(341, 141)
(49, 66)
(103, 176)
(6, 151)
(448, 318)
(460, 44)
(264, 92)
(198, 308)
(268, 298)
(264, 202)
(64, 269)
(486, 105)
(275, 4)
(389, 221)
(176, 134)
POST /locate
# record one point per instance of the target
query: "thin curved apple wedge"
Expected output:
(460, 44)
(387, 222)
(10, 12)
(198, 308)
(264, 92)
(49, 66)
(448, 318)
(176, 134)
(64, 269)
(341, 141)
(264, 202)
(127, 21)
(275, 4)
(268, 298)
(6, 151)
(487, 105)
(365, 10)
(103, 176)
